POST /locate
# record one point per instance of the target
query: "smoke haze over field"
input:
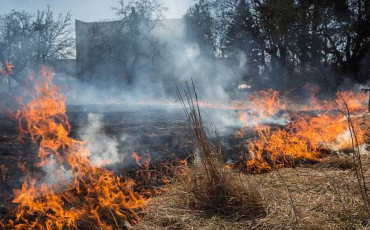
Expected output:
(138, 57)
(154, 76)
(214, 81)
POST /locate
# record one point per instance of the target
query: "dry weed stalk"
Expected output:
(294, 210)
(357, 158)
(209, 185)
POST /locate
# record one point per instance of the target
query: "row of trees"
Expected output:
(27, 40)
(294, 40)
(284, 41)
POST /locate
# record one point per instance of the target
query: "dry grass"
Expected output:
(337, 162)
(226, 194)
(324, 198)
(208, 186)
(328, 195)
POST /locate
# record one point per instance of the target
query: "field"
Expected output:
(160, 167)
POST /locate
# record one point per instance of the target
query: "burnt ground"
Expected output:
(162, 133)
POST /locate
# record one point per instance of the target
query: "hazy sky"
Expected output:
(87, 10)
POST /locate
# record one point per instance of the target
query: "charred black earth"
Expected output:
(160, 132)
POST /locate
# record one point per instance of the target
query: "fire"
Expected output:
(244, 119)
(306, 137)
(266, 103)
(143, 163)
(23, 168)
(314, 103)
(263, 104)
(90, 196)
(84, 194)
(355, 102)
(8, 69)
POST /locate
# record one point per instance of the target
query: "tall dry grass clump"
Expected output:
(223, 193)
(209, 186)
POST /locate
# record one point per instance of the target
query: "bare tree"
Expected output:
(27, 40)
(15, 41)
(51, 36)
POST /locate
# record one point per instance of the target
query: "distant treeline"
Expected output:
(287, 42)
(282, 44)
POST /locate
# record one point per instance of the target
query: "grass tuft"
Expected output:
(209, 186)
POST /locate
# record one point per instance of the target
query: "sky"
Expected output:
(88, 10)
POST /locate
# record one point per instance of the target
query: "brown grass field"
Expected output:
(321, 196)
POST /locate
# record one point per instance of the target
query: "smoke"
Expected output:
(174, 61)
(343, 144)
(215, 79)
(55, 172)
(103, 148)
(154, 82)
(282, 120)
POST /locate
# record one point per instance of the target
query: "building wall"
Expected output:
(90, 68)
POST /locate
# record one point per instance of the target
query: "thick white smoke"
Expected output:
(103, 148)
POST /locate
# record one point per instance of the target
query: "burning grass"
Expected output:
(210, 195)
(82, 194)
(306, 137)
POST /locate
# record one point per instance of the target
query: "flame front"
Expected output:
(306, 136)
(92, 196)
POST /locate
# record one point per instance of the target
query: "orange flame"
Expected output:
(94, 195)
(143, 163)
(22, 167)
(306, 135)
(8, 69)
